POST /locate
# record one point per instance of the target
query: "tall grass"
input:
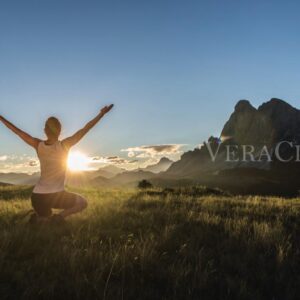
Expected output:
(153, 245)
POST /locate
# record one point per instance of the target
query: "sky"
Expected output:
(173, 69)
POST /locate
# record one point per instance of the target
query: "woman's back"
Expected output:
(53, 164)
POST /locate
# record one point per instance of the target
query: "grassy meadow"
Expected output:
(154, 244)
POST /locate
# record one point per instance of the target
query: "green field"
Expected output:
(184, 244)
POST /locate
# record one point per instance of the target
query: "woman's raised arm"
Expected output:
(28, 139)
(76, 137)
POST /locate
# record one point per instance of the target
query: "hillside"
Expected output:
(128, 178)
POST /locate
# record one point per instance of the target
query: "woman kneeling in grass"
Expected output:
(50, 192)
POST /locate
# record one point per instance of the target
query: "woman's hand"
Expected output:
(106, 109)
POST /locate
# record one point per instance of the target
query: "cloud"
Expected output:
(143, 155)
(114, 160)
(18, 163)
(146, 151)
(120, 160)
(131, 154)
(96, 158)
(33, 163)
(112, 157)
(133, 161)
(117, 160)
(136, 157)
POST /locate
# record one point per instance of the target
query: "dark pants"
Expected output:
(43, 203)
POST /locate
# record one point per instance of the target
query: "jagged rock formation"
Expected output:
(269, 124)
(272, 122)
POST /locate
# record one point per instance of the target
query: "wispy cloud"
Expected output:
(113, 160)
(139, 156)
(18, 163)
(27, 164)
(147, 151)
(3, 158)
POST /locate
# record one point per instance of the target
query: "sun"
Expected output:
(78, 161)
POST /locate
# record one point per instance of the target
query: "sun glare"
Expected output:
(78, 161)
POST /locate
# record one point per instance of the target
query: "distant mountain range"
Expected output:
(162, 166)
(269, 124)
(109, 175)
(19, 178)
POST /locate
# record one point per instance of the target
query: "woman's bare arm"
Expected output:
(23, 135)
(75, 138)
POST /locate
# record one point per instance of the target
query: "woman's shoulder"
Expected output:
(63, 146)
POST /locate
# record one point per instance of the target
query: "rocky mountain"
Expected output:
(272, 122)
(268, 125)
(198, 162)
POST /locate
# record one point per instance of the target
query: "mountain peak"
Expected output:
(273, 121)
(165, 160)
(163, 164)
(243, 105)
(275, 103)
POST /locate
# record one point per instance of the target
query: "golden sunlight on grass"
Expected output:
(153, 244)
(78, 161)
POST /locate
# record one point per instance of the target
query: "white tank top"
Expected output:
(53, 164)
